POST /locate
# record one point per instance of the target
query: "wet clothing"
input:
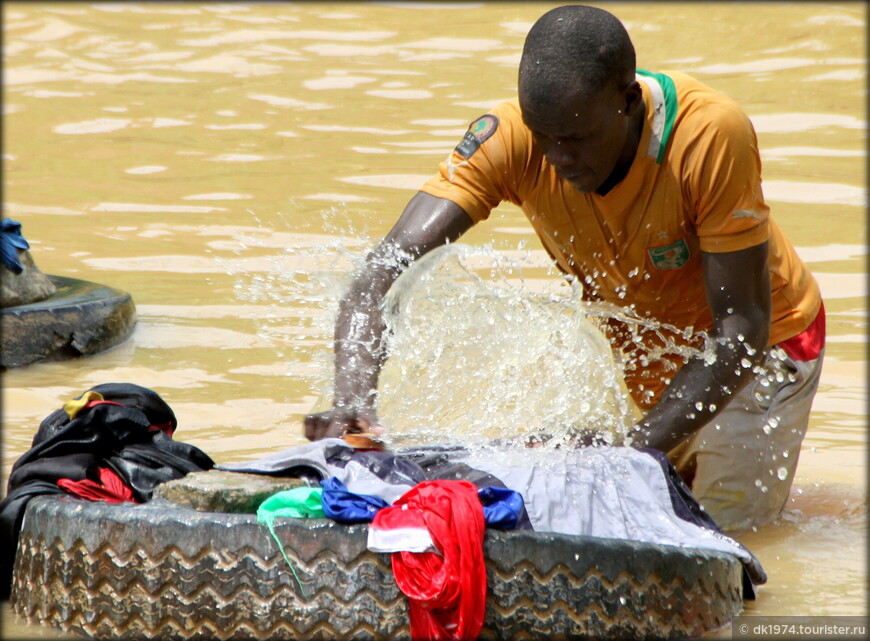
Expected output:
(503, 509)
(357, 483)
(109, 487)
(610, 492)
(446, 587)
(343, 506)
(297, 503)
(374, 473)
(694, 185)
(124, 429)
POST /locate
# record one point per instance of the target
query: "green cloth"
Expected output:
(298, 503)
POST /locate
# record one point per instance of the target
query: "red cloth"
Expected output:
(110, 489)
(807, 345)
(447, 591)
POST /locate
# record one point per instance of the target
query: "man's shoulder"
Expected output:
(702, 108)
(693, 94)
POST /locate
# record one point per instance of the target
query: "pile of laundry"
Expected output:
(429, 507)
(429, 513)
(113, 443)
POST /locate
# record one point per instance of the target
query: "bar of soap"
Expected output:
(363, 441)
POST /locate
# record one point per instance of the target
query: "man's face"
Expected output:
(583, 135)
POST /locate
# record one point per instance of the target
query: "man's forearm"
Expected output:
(696, 394)
(359, 340)
(359, 352)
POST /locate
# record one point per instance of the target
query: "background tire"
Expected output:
(80, 319)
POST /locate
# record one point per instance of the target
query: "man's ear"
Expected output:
(633, 98)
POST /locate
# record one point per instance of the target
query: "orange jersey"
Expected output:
(694, 185)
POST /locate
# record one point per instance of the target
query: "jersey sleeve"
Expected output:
(723, 181)
(483, 170)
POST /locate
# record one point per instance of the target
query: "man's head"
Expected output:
(578, 93)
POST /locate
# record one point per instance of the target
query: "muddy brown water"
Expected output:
(202, 156)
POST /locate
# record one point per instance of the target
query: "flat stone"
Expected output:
(30, 286)
(227, 492)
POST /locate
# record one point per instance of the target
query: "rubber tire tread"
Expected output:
(165, 572)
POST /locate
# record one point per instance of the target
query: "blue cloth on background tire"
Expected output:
(344, 506)
(11, 240)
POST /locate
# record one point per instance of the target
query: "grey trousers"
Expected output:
(741, 465)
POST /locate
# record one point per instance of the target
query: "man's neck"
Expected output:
(627, 158)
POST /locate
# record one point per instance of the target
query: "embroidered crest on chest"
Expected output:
(671, 256)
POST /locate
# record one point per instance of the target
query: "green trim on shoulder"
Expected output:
(665, 105)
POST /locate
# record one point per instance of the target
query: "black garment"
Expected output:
(118, 437)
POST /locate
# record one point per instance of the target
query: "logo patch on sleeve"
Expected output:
(478, 132)
(671, 256)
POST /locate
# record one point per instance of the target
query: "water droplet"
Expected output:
(782, 474)
(699, 406)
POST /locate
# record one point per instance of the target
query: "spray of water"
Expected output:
(475, 355)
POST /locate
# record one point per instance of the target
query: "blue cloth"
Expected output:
(502, 507)
(343, 506)
(10, 241)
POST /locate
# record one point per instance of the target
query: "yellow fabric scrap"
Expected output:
(73, 407)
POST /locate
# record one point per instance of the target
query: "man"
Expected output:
(647, 189)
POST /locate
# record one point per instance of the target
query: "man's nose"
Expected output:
(559, 154)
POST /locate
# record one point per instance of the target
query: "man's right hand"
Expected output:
(335, 423)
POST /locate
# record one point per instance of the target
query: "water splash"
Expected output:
(476, 354)
(301, 289)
